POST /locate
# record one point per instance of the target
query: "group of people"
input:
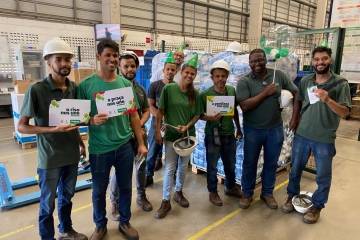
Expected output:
(115, 141)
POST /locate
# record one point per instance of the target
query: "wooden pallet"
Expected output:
(221, 179)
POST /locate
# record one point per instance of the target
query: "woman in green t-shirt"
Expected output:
(180, 105)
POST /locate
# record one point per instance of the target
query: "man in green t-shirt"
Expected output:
(109, 143)
(180, 104)
(316, 133)
(129, 63)
(219, 134)
(257, 93)
(58, 147)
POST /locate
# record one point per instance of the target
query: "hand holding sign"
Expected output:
(100, 118)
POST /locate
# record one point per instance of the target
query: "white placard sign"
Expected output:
(223, 104)
(115, 102)
(69, 111)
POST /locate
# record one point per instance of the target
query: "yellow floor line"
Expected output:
(56, 217)
(6, 138)
(350, 140)
(18, 154)
(7, 126)
(16, 231)
(230, 215)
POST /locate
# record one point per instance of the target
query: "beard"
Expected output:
(127, 76)
(61, 73)
(323, 71)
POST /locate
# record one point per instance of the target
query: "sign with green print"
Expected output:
(69, 111)
(223, 104)
(115, 102)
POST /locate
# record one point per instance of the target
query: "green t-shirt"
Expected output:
(176, 108)
(267, 114)
(227, 126)
(54, 149)
(116, 131)
(319, 123)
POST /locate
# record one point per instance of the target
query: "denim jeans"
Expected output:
(323, 154)
(155, 150)
(123, 160)
(62, 179)
(227, 152)
(140, 179)
(173, 161)
(254, 139)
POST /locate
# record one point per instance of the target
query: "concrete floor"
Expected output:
(202, 220)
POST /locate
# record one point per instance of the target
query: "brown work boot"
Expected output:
(114, 211)
(270, 201)
(144, 203)
(245, 201)
(312, 215)
(288, 207)
(180, 199)
(233, 192)
(158, 164)
(129, 232)
(99, 233)
(215, 198)
(164, 209)
(72, 235)
(148, 181)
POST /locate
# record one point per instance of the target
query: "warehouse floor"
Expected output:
(202, 220)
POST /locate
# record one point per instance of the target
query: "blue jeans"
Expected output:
(123, 160)
(64, 179)
(227, 152)
(254, 139)
(155, 150)
(323, 154)
(140, 178)
(173, 160)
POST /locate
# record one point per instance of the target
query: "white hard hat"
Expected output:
(185, 151)
(56, 45)
(234, 47)
(285, 99)
(132, 54)
(220, 64)
(302, 202)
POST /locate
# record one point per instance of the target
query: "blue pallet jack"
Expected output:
(8, 199)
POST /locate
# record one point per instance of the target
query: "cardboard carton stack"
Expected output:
(80, 70)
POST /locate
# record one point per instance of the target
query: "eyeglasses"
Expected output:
(260, 60)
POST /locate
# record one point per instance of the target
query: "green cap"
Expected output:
(170, 58)
(324, 43)
(193, 61)
(180, 48)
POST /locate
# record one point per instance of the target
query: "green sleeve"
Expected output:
(232, 92)
(146, 102)
(286, 83)
(81, 92)
(203, 101)
(242, 90)
(343, 96)
(29, 108)
(199, 105)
